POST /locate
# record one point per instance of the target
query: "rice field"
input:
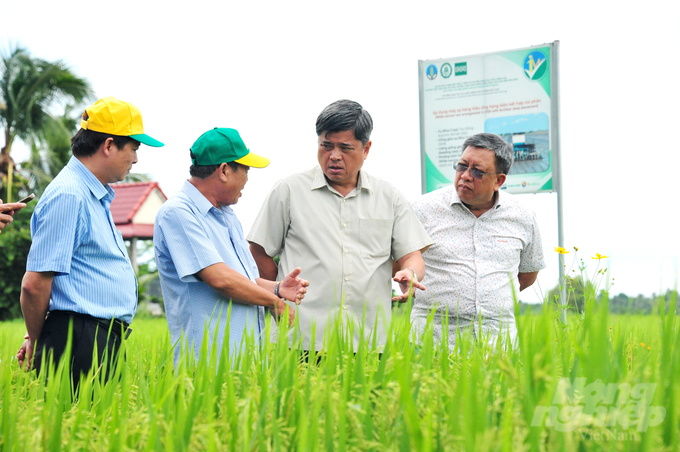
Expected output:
(600, 383)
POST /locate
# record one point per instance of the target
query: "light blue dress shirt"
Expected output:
(190, 234)
(74, 236)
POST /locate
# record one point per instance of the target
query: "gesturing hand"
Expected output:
(293, 288)
(405, 278)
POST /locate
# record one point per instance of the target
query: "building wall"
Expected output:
(147, 213)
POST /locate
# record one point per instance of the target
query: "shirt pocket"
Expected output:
(507, 252)
(375, 237)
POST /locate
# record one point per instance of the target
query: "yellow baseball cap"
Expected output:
(117, 117)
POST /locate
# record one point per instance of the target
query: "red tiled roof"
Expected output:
(129, 198)
(141, 231)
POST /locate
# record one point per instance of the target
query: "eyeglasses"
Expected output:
(474, 172)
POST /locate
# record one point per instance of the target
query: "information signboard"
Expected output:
(512, 94)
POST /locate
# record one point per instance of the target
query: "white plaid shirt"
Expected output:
(473, 265)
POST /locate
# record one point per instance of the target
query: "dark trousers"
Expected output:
(304, 357)
(88, 333)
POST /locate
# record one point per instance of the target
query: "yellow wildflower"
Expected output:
(598, 256)
(576, 248)
(642, 343)
(649, 348)
(561, 250)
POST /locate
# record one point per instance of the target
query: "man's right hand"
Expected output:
(25, 353)
(6, 212)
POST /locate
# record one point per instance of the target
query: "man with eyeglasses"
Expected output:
(486, 246)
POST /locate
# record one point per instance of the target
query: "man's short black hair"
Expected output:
(503, 150)
(344, 115)
(86, 142)
(204, 171)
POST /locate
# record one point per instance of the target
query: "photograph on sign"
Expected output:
(506, 93)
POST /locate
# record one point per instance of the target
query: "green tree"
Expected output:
(15, 242)
(51, 154)
(137, 177)
(577, 289)
(29, 88)
(623, 304)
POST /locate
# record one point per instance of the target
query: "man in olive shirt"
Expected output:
(345, 227)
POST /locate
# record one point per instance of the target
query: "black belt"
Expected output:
(120, 328)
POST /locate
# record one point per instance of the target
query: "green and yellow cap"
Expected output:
(222, 145)
(117, 117)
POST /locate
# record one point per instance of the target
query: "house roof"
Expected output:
(129, 198)
(141, 231)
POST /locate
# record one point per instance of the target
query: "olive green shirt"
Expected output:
(344, 245)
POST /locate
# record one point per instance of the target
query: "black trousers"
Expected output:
(304, 357)
(88, 333)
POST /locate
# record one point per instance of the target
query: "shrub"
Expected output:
(15, 241)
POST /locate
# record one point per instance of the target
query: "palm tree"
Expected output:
(137, 177)
(50, 154)
(29, 88)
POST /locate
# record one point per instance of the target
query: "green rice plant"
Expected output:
(562, 388)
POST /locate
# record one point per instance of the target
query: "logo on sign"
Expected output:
(431, 72)
(461, 69)
(535, 65)
(446, 70)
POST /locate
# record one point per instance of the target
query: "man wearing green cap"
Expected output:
(203, 258)
(78, 271)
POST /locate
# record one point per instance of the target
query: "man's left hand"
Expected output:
(293, 288)
(405, 278)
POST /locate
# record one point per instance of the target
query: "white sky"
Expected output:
(268, 68)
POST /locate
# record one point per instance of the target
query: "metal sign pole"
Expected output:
(557, 173)
(421, 106)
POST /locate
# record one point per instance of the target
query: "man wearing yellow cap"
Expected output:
(203, 258)
(78, 270)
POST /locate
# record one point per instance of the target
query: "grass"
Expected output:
(548, 394)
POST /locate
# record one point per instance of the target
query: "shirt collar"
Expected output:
(98, 189)
(319, 181)
(500, 199)
(455, 199)
(199, 200)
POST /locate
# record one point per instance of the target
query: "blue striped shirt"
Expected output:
(75, 237)
(191, 234)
